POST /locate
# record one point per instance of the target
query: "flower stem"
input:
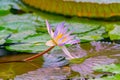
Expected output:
(39, 54)
(67, 52)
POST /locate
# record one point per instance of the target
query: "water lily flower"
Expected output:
(60, 37)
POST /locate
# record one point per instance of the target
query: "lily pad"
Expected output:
(3, 36)
(19, 26)
(115, 77)
(37, 38)
(115, 33)
(6, 5)
(113, 68)
(31, 48)
(4, 9)
(17, 37)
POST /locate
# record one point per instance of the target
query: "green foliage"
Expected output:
(30, 42)
(112, 68)
(115, 33)
(29, 28)
(28, 47)
(6, 5)
(115, 77)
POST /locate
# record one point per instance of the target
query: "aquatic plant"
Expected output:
(60, 37)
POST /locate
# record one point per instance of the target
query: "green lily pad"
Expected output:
(18, 37)
(3, 36)
(95, 34)
(6, 5)
(113, 68)
(32, 42)
(115, 33)
(114, 77)
(82, 28)
(37, 38)
(19, 26)
(4, 9)
(32, 48)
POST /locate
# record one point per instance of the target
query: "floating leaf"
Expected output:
(17, 37)
(19, 26)
(31, 42)
(31, 48)
(4, 8)
(113, 68)
(6, 5)
(115, 77)
(95, 34)
(3, 36)
(37, 38)
(115, 33)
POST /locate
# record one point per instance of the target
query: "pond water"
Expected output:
(55, 66)
(23, 34)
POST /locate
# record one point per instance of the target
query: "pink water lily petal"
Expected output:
(49, 29)
(73, 42)
(60, 35)
(60, 27)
